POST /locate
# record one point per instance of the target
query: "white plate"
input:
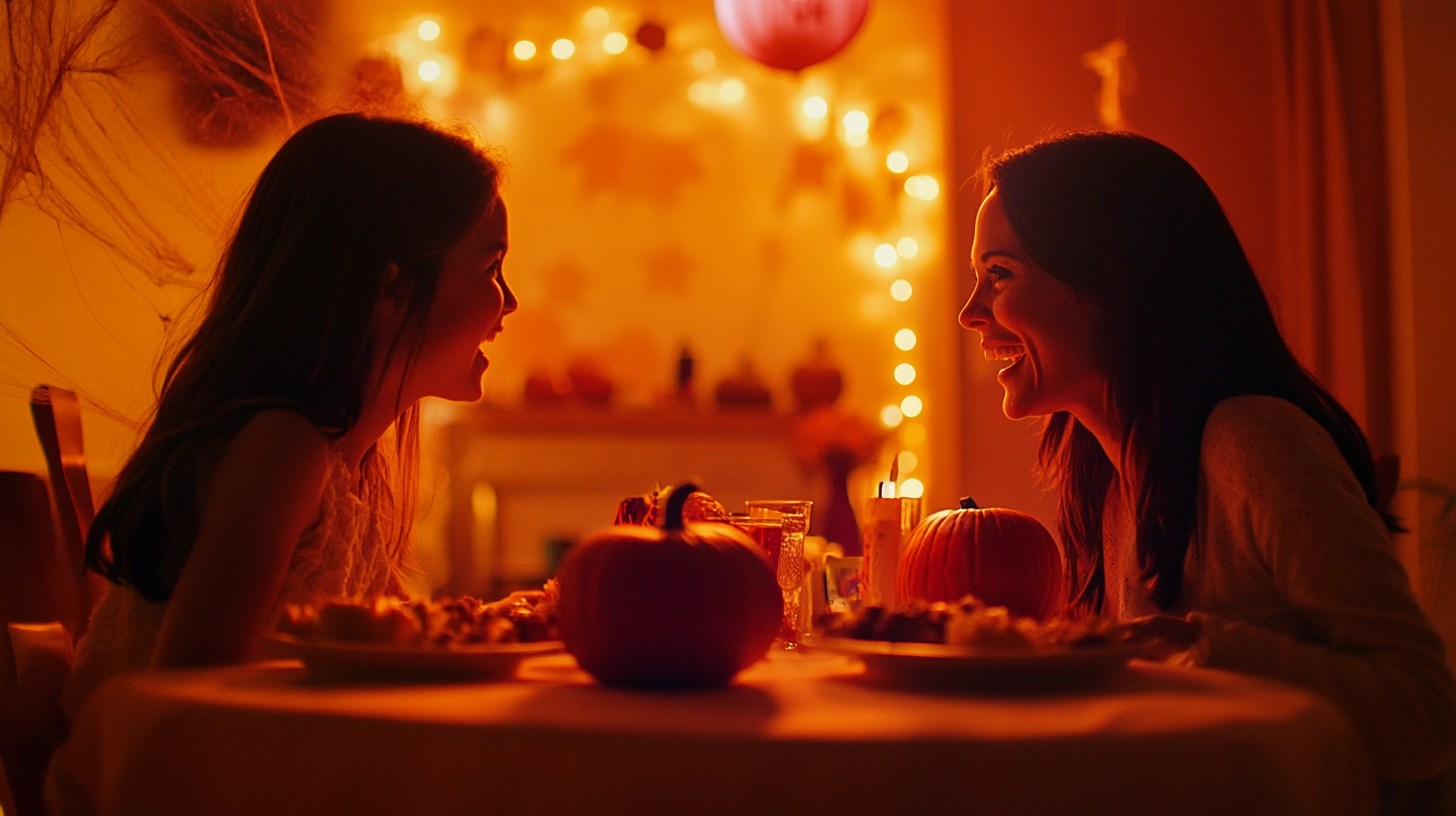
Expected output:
(934, 665)
(341, 659)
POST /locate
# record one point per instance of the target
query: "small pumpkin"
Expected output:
(688, 605)
(647, 508)
(1004, 557)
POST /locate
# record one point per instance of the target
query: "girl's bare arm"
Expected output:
(264, 493)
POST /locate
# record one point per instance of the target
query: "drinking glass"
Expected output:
(794, 518)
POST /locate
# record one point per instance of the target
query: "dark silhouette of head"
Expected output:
(1183, 324)
(288, 321)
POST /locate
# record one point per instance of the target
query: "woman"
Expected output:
(1208, 485)
(365, 274)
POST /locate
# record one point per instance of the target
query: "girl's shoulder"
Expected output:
(278, 437)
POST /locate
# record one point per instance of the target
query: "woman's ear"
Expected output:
(394, 292)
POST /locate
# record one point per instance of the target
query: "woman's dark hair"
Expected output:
(288, 323)
(1133, 229)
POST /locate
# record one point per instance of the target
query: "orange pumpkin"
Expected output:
(1003, 557)
(688, 605)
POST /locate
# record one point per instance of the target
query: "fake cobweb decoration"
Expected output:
(78, 147)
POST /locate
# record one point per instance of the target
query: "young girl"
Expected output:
(366, 273)
(1208, 486)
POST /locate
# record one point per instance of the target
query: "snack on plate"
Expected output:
(971, 623)
(521, 617)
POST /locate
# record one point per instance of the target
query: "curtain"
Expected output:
(1332, 291)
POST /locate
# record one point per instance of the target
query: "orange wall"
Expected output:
(1203, 87)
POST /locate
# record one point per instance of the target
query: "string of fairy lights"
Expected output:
(436, 72)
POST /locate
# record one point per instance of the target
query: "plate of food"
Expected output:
(968, 644)
(392, 639)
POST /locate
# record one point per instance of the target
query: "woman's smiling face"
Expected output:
(1033, 323)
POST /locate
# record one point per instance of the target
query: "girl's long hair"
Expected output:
(288, 326)
(1133, 228)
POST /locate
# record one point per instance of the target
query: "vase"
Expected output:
(837, 523)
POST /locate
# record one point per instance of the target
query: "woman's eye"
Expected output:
(998, 272)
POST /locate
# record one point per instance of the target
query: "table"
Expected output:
(798, 734)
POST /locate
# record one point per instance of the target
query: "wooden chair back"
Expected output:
(57, 415)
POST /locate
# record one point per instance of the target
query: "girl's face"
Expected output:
(1033, 324)
(471, 300)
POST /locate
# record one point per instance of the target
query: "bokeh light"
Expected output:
(595, 16)
(911, 406)
(563, 49)
(428, 30)
(855, 139)
(704, 60)
(901, 290)
(429, 70)
(815, 107)
(904, 373)
(904, 339)
(614, 43)
(907, 247)
(890, 416)
(912, 488)
(524, 50)
(922, 187)
(703, 92)
(731, 91)
(856, 122)
(897, 162)
(885, 255)
(908, 462)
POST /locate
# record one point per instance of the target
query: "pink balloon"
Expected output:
(790, 34)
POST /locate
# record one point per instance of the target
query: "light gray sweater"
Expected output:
(1294, 577)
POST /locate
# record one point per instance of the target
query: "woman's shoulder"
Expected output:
(1254, 439)
(1263, 424)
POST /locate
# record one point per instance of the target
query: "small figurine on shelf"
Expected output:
(589, 384)
(685, 365)
(817, 382)
(744, 390)
(836, 442)
(542, 390)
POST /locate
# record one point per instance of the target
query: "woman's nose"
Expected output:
(975, 314)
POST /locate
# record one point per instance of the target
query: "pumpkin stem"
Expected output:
(672, 513)
(968, 503)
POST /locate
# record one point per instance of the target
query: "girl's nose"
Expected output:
(975, 314)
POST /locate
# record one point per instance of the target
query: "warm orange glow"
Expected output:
(912, 488)
(614, 43)
(429, 70)
(904, 373)
(911, 406)
(595, 16)
(897, 162)
(731, 91)
(907, 247)
(815, 107)
(563, 49)
(429, 30)
(704, 60)
(856, 122)
(524, 50)
(901, 290)
(905, 339)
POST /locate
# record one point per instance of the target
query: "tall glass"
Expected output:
(794, 517)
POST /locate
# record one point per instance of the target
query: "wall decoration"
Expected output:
(633, 164)
(790, 34)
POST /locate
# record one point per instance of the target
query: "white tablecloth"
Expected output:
(798, 734)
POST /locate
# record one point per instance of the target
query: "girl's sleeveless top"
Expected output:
(345, 552)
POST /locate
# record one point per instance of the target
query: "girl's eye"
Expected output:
(998, 273)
